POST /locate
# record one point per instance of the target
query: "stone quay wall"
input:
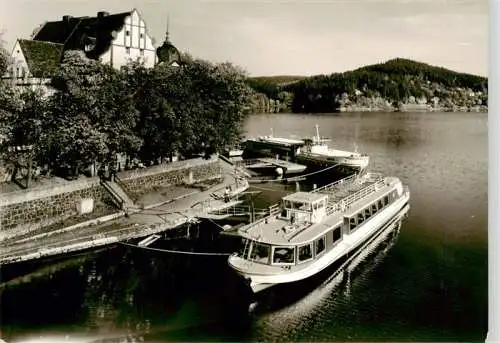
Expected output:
(141, 181)
(31, 209)
(27, 210)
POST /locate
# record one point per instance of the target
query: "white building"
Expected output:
(34, 62)
(110, 38)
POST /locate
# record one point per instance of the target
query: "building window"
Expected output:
(141, 35)
(18, 51)
(127, 33)
(127, 50)
(141, 51)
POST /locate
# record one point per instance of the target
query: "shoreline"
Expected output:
(385, 110)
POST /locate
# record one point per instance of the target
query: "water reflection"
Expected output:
(121, 291)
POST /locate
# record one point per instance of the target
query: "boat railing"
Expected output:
(273, 210)
(356, 196)
(336, 184)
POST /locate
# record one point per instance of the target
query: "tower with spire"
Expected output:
(167, 52)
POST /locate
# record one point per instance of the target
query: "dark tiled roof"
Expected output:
(43, 58)
(57, 31)
(75, 33)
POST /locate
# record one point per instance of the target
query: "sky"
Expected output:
(299, 37)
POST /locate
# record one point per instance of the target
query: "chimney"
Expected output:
(102, 14)
(66, 18)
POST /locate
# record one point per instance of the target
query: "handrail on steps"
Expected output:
(123, 186)
(117, 197)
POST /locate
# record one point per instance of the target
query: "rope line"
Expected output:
(182, 252)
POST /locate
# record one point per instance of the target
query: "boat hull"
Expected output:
(370, 228)
(355, 164)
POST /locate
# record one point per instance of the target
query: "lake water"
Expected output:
(429, 283)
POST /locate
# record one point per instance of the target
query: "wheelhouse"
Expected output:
(303, 207)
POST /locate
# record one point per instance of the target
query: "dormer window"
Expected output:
(89, 43)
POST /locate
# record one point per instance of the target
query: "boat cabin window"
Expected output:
(305, 252)
(380, 204)
(283, 213)
(337, 234)
(368, 213)
(319, 245)
(386, 200)
(352, 223)
(284, 255)
(318, 205)
(361, 218)
(301, 206)
(374, 208)
(260, 252)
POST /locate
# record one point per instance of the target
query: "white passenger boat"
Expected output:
(313, 152)
(317, 150)
(315, 229)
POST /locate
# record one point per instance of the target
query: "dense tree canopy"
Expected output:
(92, 113)
(97, 112)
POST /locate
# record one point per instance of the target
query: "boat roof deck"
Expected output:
(280, 231)
(308, 197)
(388, 186)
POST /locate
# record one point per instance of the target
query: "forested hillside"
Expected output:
(396, 85)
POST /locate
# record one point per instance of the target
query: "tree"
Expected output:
(10, 101)
(92, 113)
(198, 106)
